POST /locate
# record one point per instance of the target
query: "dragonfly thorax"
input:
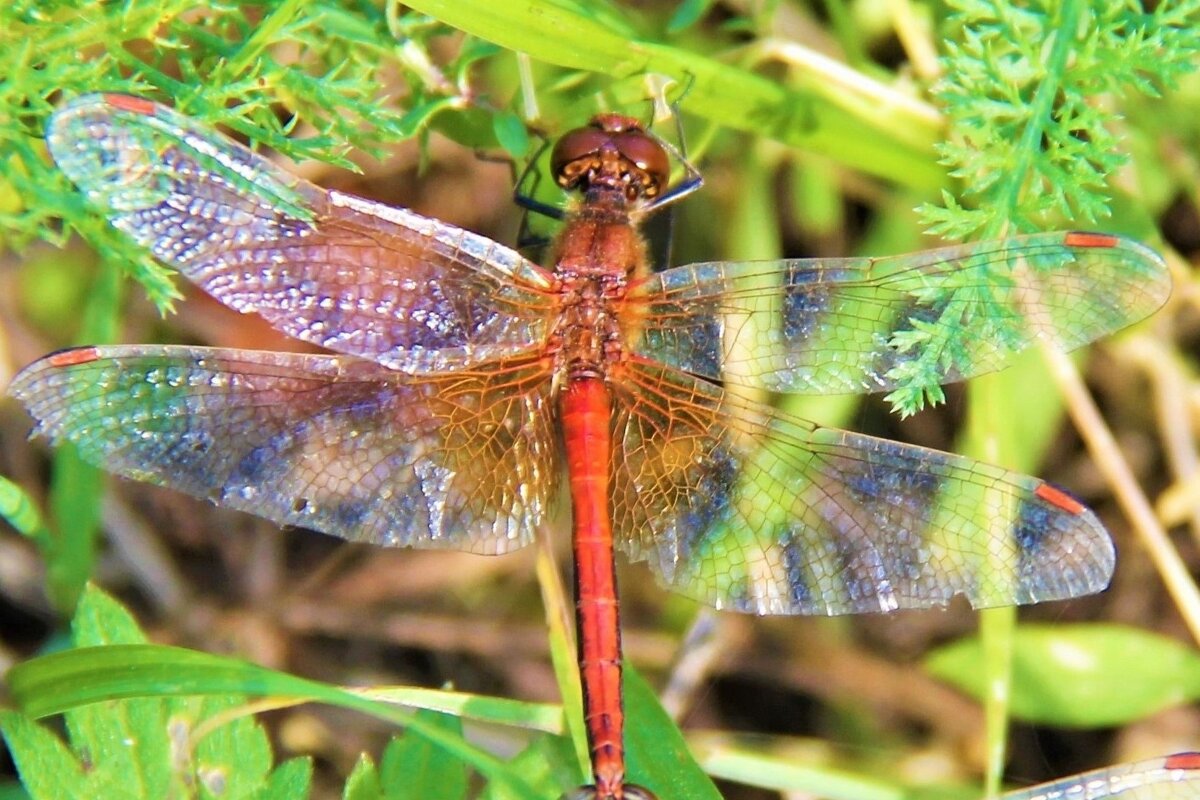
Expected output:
(588, 335)
(599, 250)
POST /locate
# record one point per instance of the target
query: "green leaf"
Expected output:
(546, 765)
(234, 759)
(129, 706)
(291, 779)
(828, 783)
(1028, 140)
(473, 128)
(412, 767)
(19, 511)
(422, 115)
(144, 747)
(363, 783)
(511, 134)
(495, 710)
(823, 115)
(127, 740)
(49, 771)
(1081, 675)
(101, 620)
(66, 680)
(687, 14)
(658, 755)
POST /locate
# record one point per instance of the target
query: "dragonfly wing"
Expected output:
(743, 507)
(860, 324)
(332, 269)
(333, 443)
(1175, 777)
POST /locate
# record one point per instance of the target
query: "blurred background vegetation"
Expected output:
(823, 128)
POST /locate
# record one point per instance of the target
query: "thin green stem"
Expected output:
(1063, 42)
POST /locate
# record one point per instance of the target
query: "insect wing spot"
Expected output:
(1183, 761)
(125, 102)
(73, 357)
(1086, 239)
(1059, 499)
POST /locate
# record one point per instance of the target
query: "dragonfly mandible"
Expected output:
(467, 384)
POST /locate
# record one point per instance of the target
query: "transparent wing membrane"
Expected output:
(344, 273)
(833, 326)
(739, 506)
(333, 443)
(1176, 777)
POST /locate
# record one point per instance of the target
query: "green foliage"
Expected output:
(147, 747)
(1030, 92)
(413, 765)
(1031, 137)
(825, 113)
(410, 767)
(233, 65)
(1082, 676)
(1027, 90)
(128, 705)
(20, 512)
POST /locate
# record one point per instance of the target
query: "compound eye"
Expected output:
(644, 152)
(574, 151)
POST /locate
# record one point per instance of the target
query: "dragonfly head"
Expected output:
(612, 152)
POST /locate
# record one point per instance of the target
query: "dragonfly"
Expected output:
(1173, 777)
(466, 385)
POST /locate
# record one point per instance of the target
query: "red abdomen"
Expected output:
(586, 414)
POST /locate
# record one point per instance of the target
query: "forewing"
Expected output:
(860, 324)
(335, 270)
(333, 443)
(742, 507)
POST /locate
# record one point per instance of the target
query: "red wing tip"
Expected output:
(138, 105)
(1057, 497)
(1183, 761)
(76, 355)
(1087, 239)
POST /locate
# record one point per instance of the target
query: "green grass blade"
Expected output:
(67, 680)
(887, 141)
